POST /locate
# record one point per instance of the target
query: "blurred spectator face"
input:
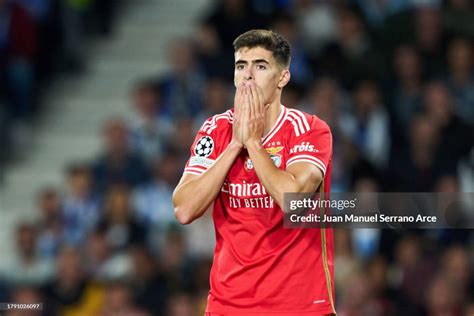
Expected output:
(69, 266)
(357, 293)
(438, 103)
(456, 266)
(80, 181)
(449, 184)
(116, 137)
(181, 56)
(342, 242)
(97, 248)
(460, 57)
(407, 252)
(423, 133)
(323, 97)
(428, 27)
(217, 96)
(181, 305)
(350, 27)
(207, 40)
(366, 97)
(168, 169)
(366, 185)
(407, 63)
(26, 240)
(142, 262)
(49, 204)
(378, 273)
(145, 101)
(118, 301)
(25, 296)
(184, 135)
(286, 27)
(118, 204)
(441, 298)
(174, 251)
(234, 7)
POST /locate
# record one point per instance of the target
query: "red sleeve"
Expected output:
(206, 146)
(314, 146)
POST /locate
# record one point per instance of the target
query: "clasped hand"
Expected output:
(249, 114)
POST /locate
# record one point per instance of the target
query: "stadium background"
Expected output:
(100, 100)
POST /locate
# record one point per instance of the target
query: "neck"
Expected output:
(271, 115)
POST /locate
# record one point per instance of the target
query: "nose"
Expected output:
(248, 75)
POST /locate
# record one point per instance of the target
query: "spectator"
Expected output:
(429, 36)
(81, 205)
(460, 78)
(102, 264)
(181, 90)
(404, 95)
(148, 286)
(368, 126)
(153, 201)
(72, 293)
(51, 222)
(412, 168)
(149, 129)
(26, 266)
(118, 162)
(181, 304)
(456, 139)
(118, 224)
(217, 99)
(118, 301)
(300, 68)
(441, 298)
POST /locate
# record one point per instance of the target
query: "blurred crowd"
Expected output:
(394, 79)
(39, 41)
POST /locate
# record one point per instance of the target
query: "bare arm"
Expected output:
(195, 193)
(298, 178)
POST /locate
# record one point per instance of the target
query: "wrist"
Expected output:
(235, 145)
(253, 144)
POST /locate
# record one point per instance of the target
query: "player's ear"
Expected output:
(284, 78)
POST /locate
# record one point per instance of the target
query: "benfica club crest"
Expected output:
(248, 165)
(273, 152)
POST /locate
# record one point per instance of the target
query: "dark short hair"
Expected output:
(269, 40)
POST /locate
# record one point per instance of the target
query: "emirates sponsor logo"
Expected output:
(244, 189)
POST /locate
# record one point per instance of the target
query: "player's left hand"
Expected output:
(254, 113)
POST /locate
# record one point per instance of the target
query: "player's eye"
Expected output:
(261, 67)
(239, 67)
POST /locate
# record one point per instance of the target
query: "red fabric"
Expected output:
(259, 266)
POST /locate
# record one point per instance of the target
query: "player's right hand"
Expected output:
(237, 131)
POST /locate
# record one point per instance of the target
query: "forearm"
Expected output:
(192, 198)
(277, 182)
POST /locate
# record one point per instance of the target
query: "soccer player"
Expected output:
(242, 162)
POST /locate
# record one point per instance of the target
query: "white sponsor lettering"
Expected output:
(303, 147)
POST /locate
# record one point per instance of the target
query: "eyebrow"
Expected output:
(256, 61)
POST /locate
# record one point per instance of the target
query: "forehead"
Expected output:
(249, 54)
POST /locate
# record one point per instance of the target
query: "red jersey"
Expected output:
(261, 267)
